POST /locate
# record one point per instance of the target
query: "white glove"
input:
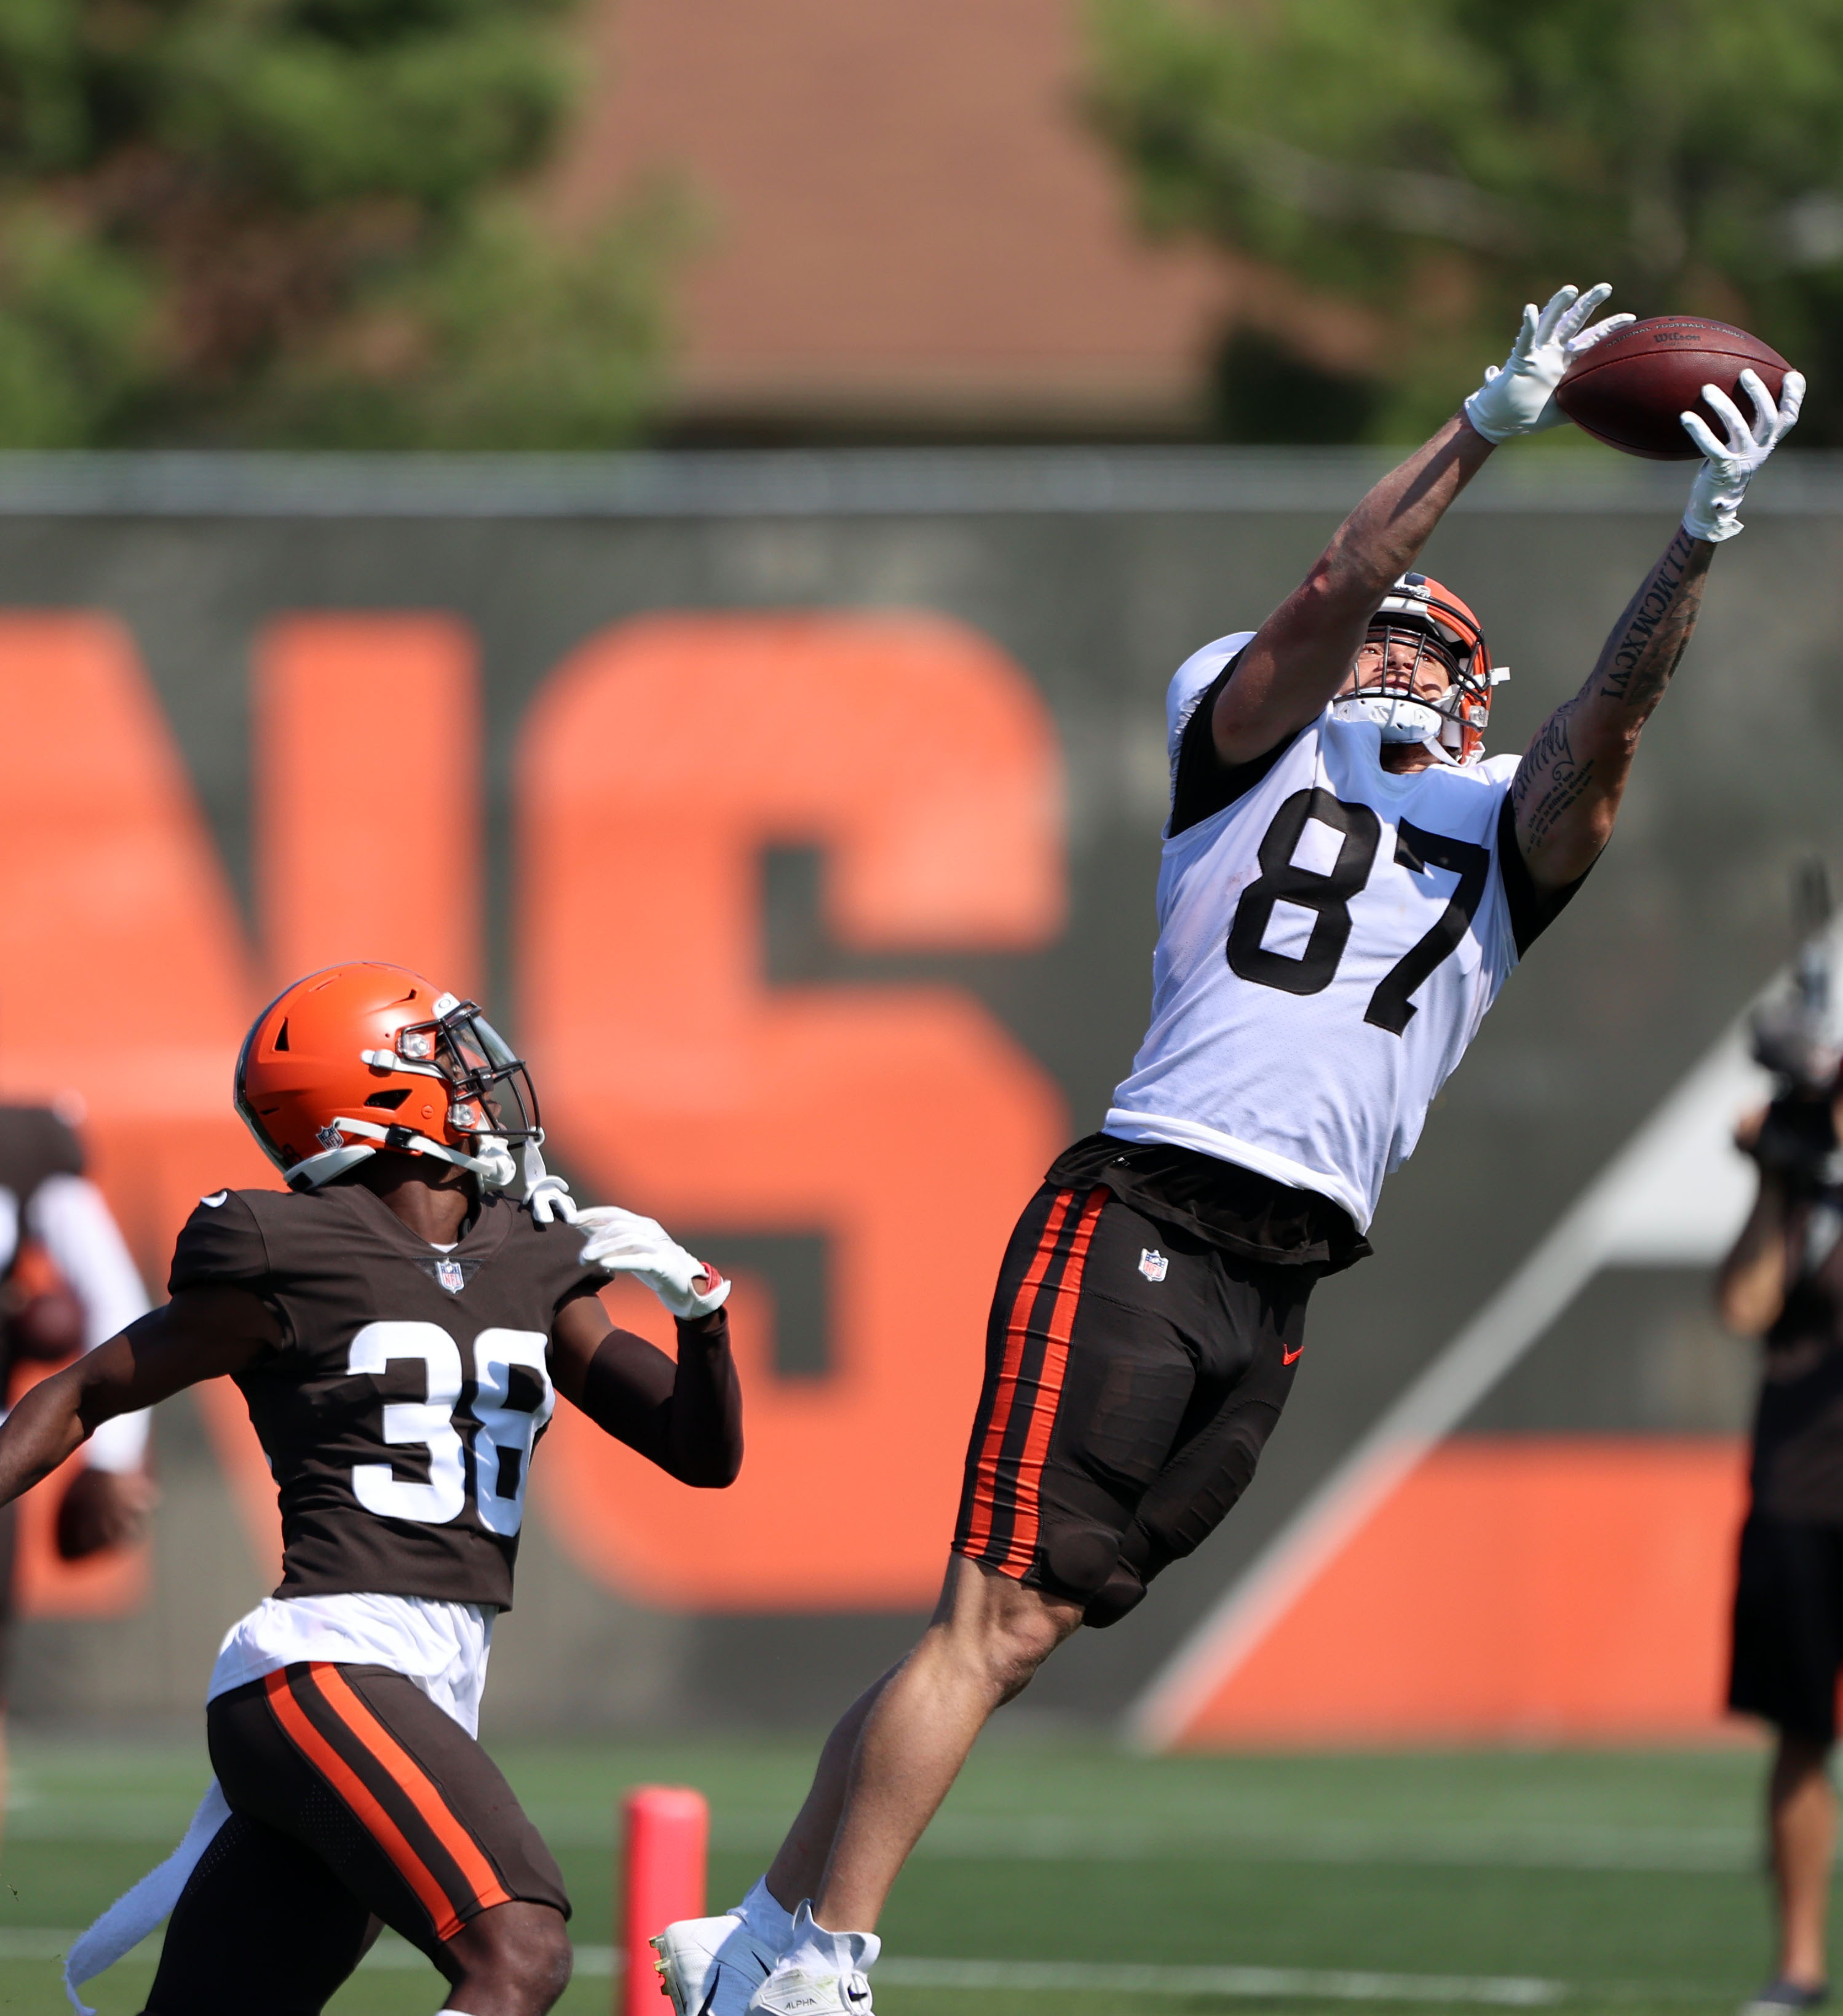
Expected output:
(1518, 396)
(1729, 466)
(549, 1199)
(622, 1242)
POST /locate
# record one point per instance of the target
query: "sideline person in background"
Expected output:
(1347, 880)
(67, 1282)
(1782, 1282)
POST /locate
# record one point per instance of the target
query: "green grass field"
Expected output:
(1616, 1880)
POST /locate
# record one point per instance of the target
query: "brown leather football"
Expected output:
(1630, 391)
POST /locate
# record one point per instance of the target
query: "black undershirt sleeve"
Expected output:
(1532, 910)
(686, 1417)
(1204, 784)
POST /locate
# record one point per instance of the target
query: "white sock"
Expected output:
(766, 1917)
(813, 1947)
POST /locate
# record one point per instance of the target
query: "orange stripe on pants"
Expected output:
(356, 1795)
(1055, 1359)
(480, 1874)
(980, 1527)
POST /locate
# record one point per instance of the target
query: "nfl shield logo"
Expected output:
(1153, 1265)
(449, 1274)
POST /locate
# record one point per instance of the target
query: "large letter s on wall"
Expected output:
(662, 759)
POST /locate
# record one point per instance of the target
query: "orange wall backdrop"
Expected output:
(1520, 1588)
(365, 793)
(124, 977)
(659, 762)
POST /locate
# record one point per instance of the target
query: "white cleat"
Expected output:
(821, 1973)
(710, 1967)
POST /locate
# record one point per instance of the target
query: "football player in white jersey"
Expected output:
(1347, 882)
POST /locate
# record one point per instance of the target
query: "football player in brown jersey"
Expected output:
(399, 1326)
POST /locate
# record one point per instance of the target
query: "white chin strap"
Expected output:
(493, 1163)
(1401, 719)
(547, 1196)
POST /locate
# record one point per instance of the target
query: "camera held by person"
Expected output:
(1797, 1038)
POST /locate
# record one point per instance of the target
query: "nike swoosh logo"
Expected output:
(1287, 1357)
(213, 1203)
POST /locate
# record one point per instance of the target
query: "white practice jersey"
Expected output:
(1328, 944)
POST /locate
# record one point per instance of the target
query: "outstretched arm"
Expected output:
(201, 1333)
(1567, 788)
(686, 1417)
(1301, 654)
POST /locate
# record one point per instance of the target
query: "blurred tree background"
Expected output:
(1433, 164)
(299, 222)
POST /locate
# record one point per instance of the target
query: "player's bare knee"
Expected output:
(1011, 1667)
(996, 1650)
(1018, 1635)
(520, 1951)
(1013, 1679)
(987, 1655)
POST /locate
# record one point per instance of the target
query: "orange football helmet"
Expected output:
(367, 1055)
(1420, 611)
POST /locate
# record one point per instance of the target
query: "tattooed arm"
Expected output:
(1567, 788)
(1304, 652)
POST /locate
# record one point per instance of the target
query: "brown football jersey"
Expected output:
(400, 1411)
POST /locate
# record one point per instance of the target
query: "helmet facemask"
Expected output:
(490, 1100)
(491, 1091)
